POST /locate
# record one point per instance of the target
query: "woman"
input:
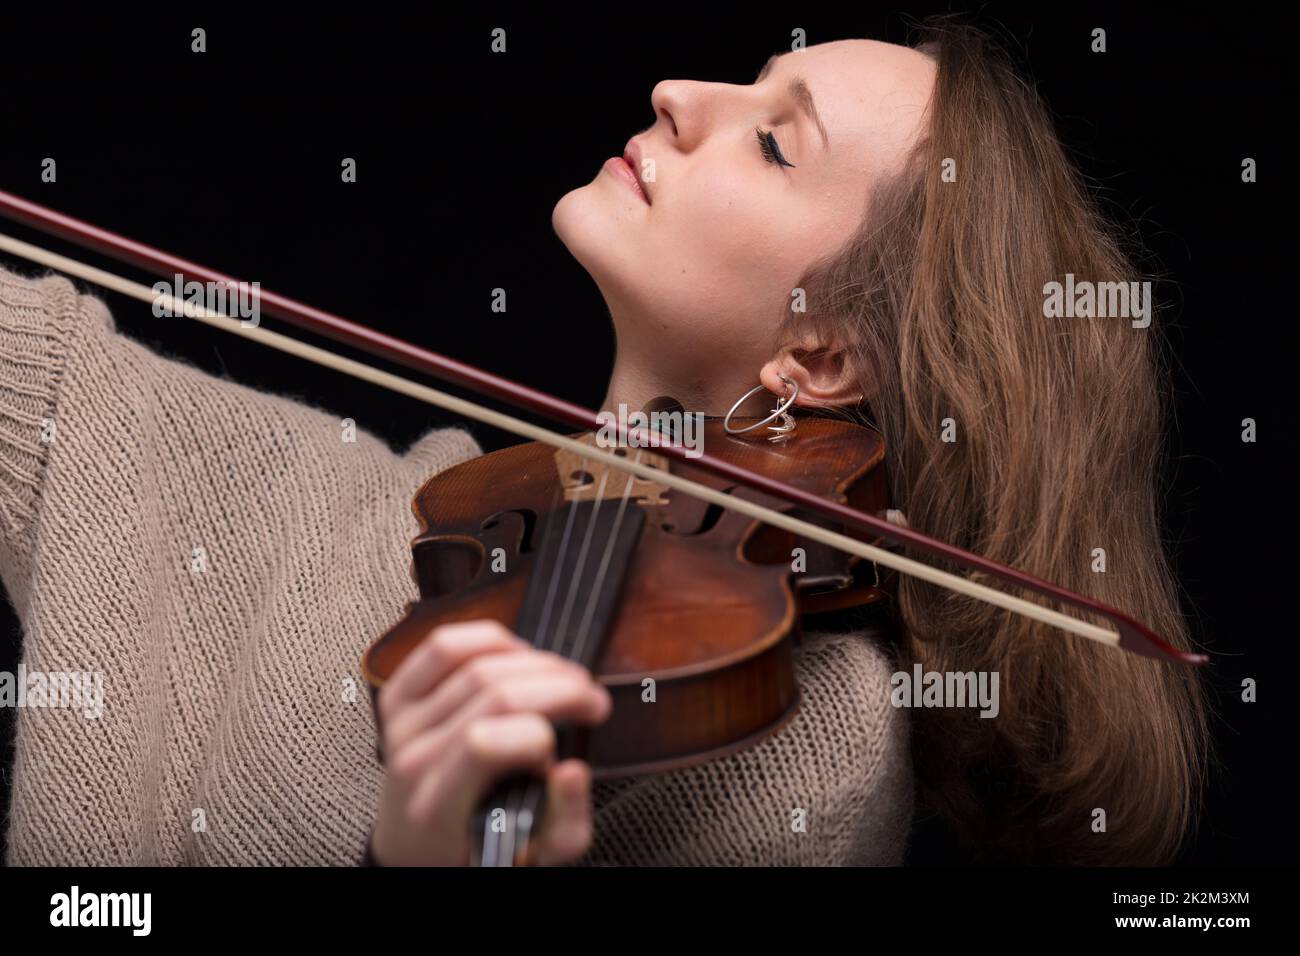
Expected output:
(871, 222)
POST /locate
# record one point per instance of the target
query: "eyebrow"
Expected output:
(803, 98)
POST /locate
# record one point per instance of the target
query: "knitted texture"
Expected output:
(223, 558)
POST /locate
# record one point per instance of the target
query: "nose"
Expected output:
(689, 110)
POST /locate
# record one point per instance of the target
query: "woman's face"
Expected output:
(698, 271)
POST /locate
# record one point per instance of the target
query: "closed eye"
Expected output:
(770, 148)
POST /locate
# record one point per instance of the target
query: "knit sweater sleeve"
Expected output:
(36, 319)
(206, 563)
(44, 323)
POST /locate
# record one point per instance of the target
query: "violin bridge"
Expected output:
(588, 479)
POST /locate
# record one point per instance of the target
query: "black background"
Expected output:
(232, 158)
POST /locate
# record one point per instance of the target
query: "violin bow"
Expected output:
(1126, 634)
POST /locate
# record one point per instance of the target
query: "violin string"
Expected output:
(575, 580)
(530, 792)
(589, 611)
(505, 851)
(501, 855)
(514, 814)
(506, 848)
(552, 587)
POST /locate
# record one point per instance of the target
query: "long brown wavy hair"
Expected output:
(938, 302)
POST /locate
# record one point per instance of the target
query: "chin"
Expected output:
(594, 232)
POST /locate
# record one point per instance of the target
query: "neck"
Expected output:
(636, 379)
(632, 384)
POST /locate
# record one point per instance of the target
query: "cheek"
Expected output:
(733, 221)
(726, 240)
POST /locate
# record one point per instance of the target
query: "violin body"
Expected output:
(684, 611)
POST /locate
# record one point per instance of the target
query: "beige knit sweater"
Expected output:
(222, 557)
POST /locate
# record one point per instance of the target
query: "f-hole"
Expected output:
(712, 515)
(529, 518)
(444, 565)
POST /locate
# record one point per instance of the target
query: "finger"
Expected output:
(561, 694)
(474, 676)
(492, 748)
(566, 823)
(445, 649)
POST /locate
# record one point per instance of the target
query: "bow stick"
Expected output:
(1127, 634)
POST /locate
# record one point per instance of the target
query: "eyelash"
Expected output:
(770, 148)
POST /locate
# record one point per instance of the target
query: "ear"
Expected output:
(824, 376)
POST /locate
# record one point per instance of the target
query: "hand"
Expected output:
(472, 704)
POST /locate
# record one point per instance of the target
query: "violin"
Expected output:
(665, 573)
(685, 612)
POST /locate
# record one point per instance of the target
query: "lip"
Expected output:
(632, 156)
(619, 168)
(627, 168)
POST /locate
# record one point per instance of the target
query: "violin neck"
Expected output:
(586, 548)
